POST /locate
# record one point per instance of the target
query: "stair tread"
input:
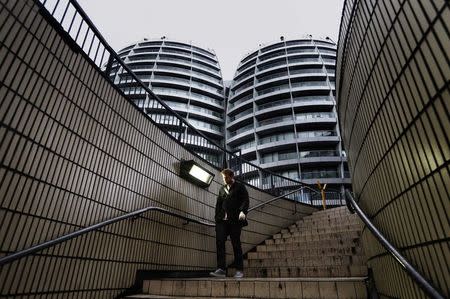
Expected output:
(269, 279)
(322, 252)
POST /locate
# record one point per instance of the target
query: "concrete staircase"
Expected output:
(317, 257)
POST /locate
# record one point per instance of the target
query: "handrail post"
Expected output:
(109, 65)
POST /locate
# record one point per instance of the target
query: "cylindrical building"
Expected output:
(188, 79)
(281, 112)
(394, 104)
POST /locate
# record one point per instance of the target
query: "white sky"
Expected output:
(232, 28)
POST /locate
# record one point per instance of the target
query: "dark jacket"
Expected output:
(232, 203)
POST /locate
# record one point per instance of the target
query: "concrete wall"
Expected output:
(75, 152)
(394, 102)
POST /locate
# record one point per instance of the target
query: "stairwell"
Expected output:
(319, 256)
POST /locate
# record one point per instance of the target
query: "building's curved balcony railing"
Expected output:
(295, 60)
(295, 102)
(177, 45)
(172, 58)
(236, 85)
(244, 146)
(273, 47)
(327, 51)
(275, 120)
(209, 63)
(211, 69)
(208, 78)
(242, 100)
(186, 82)
(272, 89)
(270, 77)
(319, 153)
(304, 50)
(141, 57)
(244, 135)
(205, 58)
(277, 104)
(168, 68)
(313, 134)
(327, 116)
(185, 108)
(174, 51)
(273, 55)
(300, 136)
(282, 120)
(186, 56)
(206, 99)
(142, 67)
(241, 115)
(242, 91)
(171, 92)
(206, 127)
(245, 69)
(320, 174)
(242, 87)
(242, 76)
(246, 128)
(308, 71)
(271, 65)
(188, 64)
(178, 81)
(310, 85)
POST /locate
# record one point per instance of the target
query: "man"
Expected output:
(231, 215)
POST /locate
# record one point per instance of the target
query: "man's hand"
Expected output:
(242, 216)
(225, 217)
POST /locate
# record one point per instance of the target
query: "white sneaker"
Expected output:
(239, 274)
(218, 273)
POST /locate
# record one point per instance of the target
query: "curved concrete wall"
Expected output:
(75, 152)
(393, 96)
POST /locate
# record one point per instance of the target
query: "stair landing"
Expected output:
(336, 287)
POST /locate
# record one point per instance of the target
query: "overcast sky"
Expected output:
(232, 28)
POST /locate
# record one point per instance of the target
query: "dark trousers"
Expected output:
(223, 230)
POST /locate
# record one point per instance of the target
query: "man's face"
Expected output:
(227, 179)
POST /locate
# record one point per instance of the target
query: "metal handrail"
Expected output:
(15, 256)
(281, 196)
(33, 249)
(410, 270)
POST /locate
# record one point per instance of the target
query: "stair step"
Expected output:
(320, 235)
(325, 229)
(313, 271)
(303, 252)
(299, 287)
(325, 223)
(308, 261)
(293, 244)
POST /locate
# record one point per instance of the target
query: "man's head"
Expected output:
(227, 176)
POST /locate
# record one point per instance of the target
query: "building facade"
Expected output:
(393, 71)
(187, 78)
(281, 112)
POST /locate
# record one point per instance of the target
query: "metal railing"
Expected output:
(131, 215)
(410, 270)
